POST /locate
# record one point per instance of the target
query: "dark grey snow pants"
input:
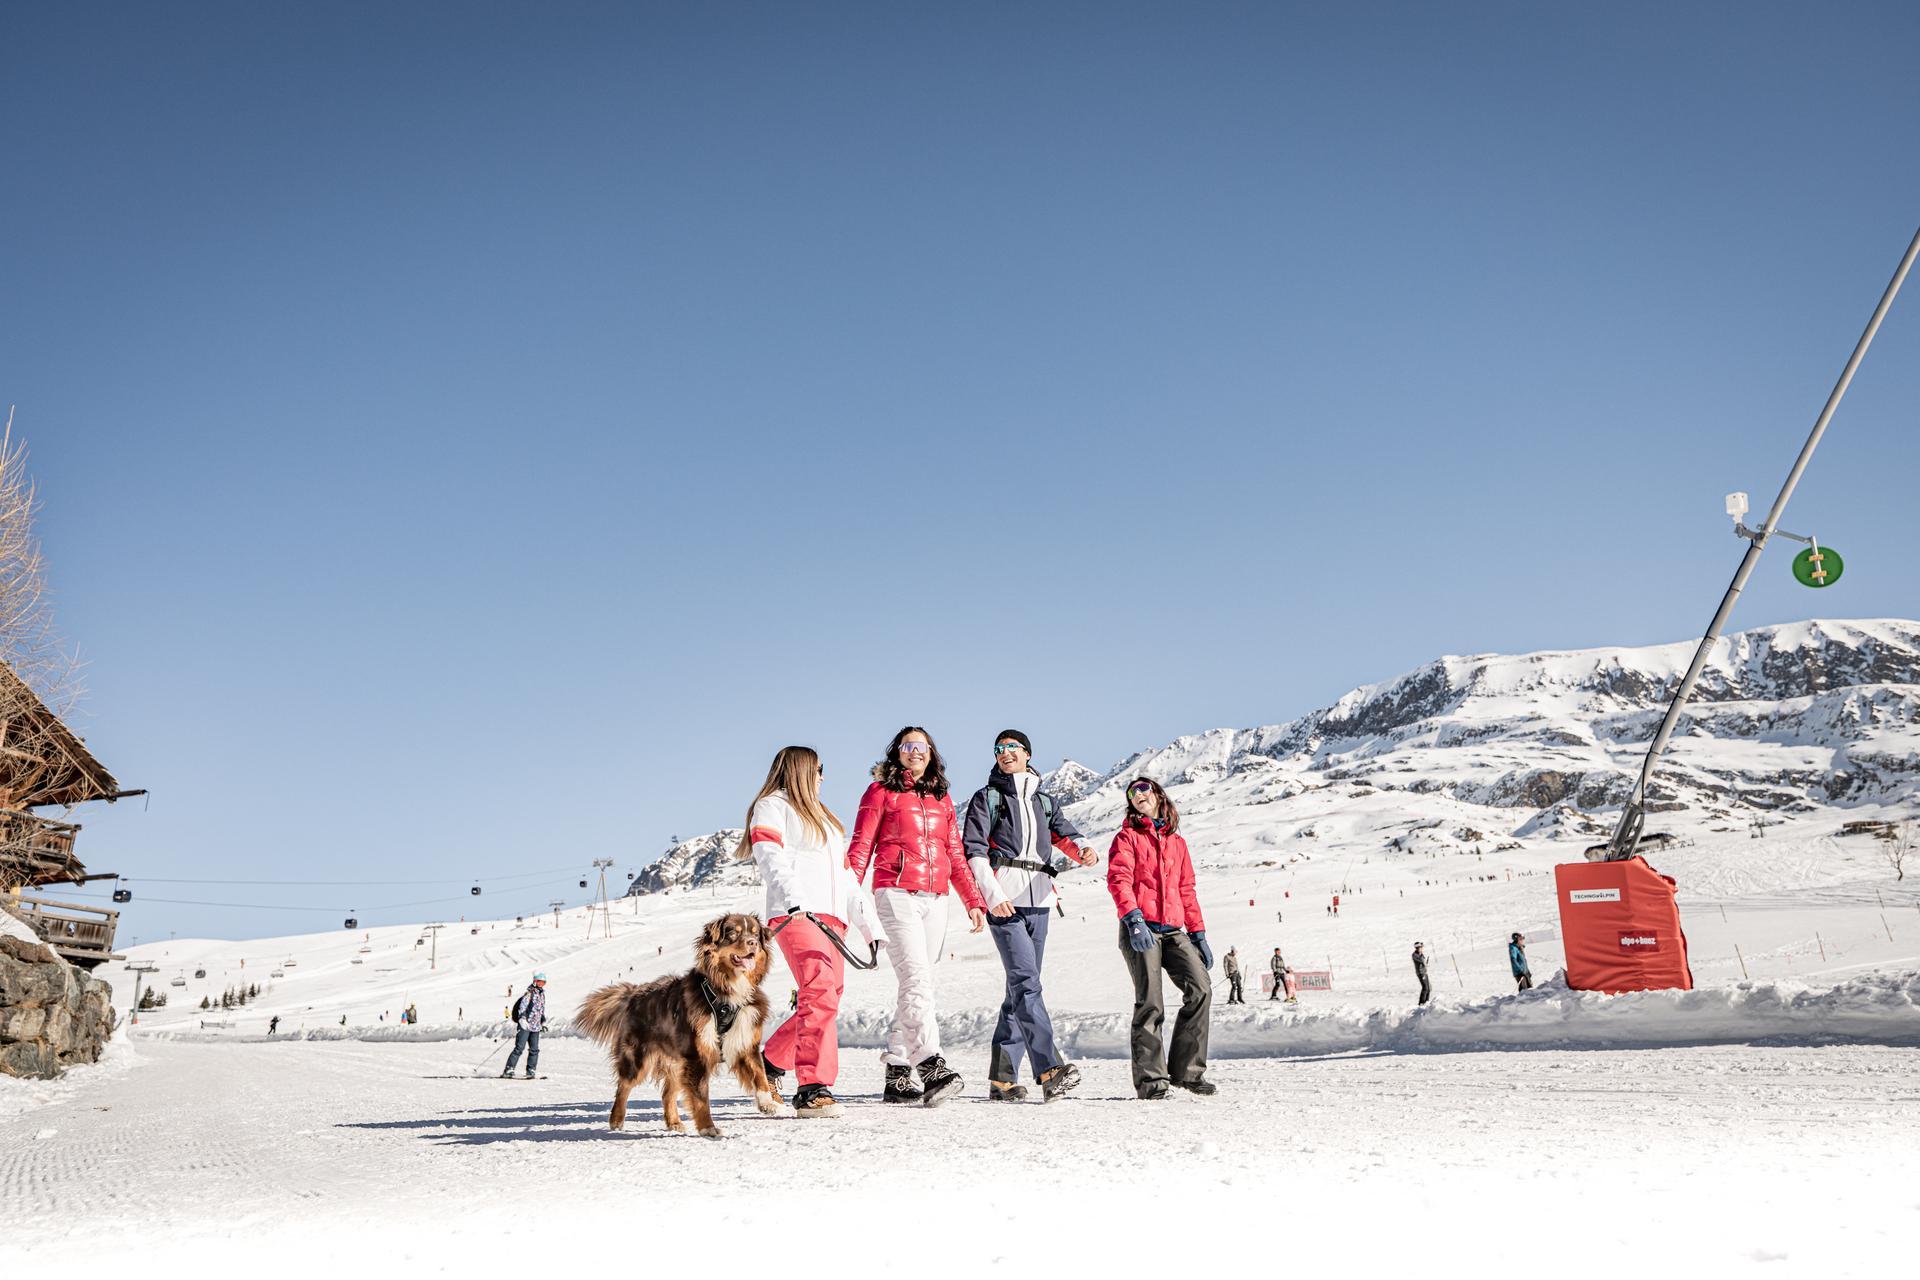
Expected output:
(1176, 956)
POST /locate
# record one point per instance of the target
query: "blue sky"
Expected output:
(473, 439)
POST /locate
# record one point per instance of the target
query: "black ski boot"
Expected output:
(900, 1085)
(1056, 1082)
(940, 1080)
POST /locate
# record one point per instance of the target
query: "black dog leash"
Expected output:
(839, 944)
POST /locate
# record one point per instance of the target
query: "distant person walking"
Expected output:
(1150, 875)
(1279, 968)
(908, 834)
(529, 1020)
(273, 1025)
(1420, 970)
(1517, 961)
(1012, 830)
(1230, 965)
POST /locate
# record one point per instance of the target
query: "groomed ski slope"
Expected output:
(371, 1159)
(1775, 1130)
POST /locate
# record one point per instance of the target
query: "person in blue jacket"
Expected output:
(1013, 829)
(1517, 960)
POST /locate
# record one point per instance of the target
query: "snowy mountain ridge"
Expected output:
(1786, 719)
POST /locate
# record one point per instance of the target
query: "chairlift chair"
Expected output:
(178, 982)
(358, 960)
(276, 974)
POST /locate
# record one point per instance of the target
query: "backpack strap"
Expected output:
(996, 808)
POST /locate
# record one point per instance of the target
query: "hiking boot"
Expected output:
(941, 1081)
(814, 1100)
(1153, 1091)
(1205, 1088)
(1055, 1083)
(997, 1092)
(900, 1085)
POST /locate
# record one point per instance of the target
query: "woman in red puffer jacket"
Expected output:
(1150, 875)
(906, 832)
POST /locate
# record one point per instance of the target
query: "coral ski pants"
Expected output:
(1024, 1025)
(808, 1044)
(916, 925)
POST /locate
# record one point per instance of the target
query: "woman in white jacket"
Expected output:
(801, 851)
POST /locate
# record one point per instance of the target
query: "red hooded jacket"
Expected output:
(1151, 870)
(912, 841)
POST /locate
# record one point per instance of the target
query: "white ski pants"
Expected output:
(916, 925)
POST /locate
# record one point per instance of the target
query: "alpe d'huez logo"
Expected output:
(1640, 940)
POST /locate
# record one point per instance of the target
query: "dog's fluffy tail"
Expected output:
(603, 1015)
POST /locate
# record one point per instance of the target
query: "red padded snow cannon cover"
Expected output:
(1621, 926)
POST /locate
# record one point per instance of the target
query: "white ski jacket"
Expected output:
(801, 870)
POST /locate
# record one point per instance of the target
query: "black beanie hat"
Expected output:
(1017, 736)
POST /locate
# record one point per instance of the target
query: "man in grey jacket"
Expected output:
(1420, 970)
(1231, 967)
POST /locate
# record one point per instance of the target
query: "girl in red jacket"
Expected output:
(906, 832)
(1150, 876)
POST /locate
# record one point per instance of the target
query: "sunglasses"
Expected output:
(1140, 789)
(1001, 748)
(914, 749)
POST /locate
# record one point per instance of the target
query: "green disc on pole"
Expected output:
(1818, 567)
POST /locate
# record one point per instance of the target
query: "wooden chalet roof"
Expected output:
(41, 760)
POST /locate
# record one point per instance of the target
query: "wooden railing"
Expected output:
(81, 934)
(36, 850)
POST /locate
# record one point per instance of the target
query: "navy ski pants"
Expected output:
(1024, 1026)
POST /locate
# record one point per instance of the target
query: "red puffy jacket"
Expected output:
(913, 842)
(1151, 870)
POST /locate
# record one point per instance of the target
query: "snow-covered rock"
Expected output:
(697, 863)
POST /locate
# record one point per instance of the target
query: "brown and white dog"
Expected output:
(678, 1031)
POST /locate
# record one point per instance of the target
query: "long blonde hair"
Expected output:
(795, 771)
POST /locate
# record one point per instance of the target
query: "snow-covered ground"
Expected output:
(1779, 1125)
(318, 1158)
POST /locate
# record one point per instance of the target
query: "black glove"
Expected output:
(1199, 937)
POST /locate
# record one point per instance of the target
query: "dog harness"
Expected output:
(723, 1013)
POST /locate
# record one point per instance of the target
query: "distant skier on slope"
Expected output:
(1150, 875)
(273, 1024)
(529, 1020)
(1420, 969)
(1517, 960)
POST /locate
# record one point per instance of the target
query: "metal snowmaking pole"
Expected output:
(1626, 837)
